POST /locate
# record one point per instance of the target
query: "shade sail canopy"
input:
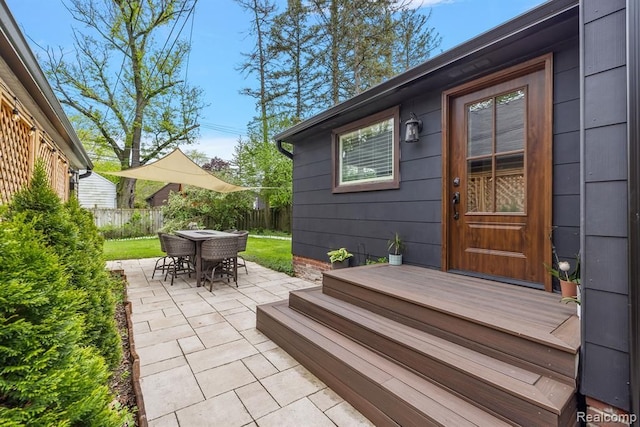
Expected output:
(176, 167)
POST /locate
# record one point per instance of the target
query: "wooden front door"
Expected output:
(498, 181)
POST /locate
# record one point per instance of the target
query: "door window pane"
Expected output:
(510, 110)
(496, 154)
(510, 192)
(480, 128)
(480, 185)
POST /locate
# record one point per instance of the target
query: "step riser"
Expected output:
(477, 390)
(340, 378)
(511, 349)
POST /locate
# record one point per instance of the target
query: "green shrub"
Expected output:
(206, 208)
(137, 226)
(88, 270)
(57, 313)
(70, 232)
(46, 376)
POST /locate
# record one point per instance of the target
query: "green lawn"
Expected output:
(271, 253)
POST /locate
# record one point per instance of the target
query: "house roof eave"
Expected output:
(484, 41)
(23, 64)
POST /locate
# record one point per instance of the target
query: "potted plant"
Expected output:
(395, 250)
(339, 258)
(569, 280)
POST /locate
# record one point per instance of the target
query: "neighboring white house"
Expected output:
(96, 191)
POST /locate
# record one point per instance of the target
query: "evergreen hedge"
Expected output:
(69, 230)
(57, 329)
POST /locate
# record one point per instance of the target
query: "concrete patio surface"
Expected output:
(203, 363)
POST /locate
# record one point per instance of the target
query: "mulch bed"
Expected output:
(125, 382)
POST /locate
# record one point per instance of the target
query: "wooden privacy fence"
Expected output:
(279, 219)
(118, 223)
(122, 223)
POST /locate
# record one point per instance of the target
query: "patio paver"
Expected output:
(203, 363)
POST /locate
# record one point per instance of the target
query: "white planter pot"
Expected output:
(395, 259)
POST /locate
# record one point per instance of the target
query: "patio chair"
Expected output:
(220, 254)
(182, 252)
(243, 236)
(165, 259)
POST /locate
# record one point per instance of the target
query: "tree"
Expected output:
(259, 60)
(259, 164)
(125, 83)
(198, 157)
(415, 40)
(359, 42)
(292, 44)
(216, 164)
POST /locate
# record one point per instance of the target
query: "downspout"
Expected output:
(282, 150)
(87, 174)
(633, 154)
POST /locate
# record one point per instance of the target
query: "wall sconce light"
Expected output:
(413, 127)
(15, 114)
(33, 128)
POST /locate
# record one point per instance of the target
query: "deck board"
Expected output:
(513, 309)
(443, 360)
(418, 339)
(423, 396)
(412, 346)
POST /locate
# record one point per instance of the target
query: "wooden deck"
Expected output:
(412, 346)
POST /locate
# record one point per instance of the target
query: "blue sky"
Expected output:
(220, 36)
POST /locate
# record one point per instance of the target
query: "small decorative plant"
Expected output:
(569, 280)
(395, 250)
(396, 245)
(381, 260)
(339, 255)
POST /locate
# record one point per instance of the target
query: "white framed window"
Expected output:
(366, 153)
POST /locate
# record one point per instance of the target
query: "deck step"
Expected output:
(500, 387)
(384, 391)
(524, 327)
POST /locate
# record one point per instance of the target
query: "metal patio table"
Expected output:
(199, 236)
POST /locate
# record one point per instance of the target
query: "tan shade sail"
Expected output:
(178, 168)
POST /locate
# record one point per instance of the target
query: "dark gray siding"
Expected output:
(566, 151)
(363, 222)
(605, 272)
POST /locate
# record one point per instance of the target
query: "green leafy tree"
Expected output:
(126, 82)
(259, 164)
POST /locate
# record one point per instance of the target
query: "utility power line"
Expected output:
(224, 128)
